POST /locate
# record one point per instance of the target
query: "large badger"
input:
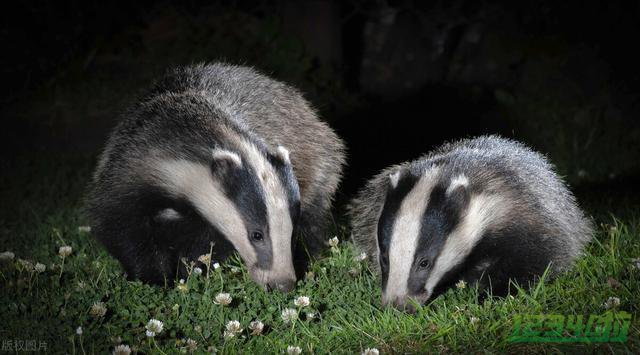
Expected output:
(483, 210)
(215, 154)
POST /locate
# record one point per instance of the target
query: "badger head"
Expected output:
(428, 231)
(243, 197)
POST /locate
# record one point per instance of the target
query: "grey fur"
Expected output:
(537, 196)
(199, 106)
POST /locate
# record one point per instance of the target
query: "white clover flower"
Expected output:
(216, 266)
(228, 335)
(361, 257)
(26, 264)
(333, 242)
(235, 270)
(223, 299)
(461, 284)
(192, 345)
(309, 275)
(205, 259)
(182, 287)
(154, 327)
(79, 330)
(84, 229)
(294, 350)
(256, 327)
(197, 271)
(311, 315)
(302, 301)
(233, 326)
(636, 263)
(289, 315)
(98, 310)
(40, 268)
(7, 255)
(612, 302)
(65, 251)
(370, 351)
(474, 320)
(122, 349)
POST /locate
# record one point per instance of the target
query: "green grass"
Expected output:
(41, 200)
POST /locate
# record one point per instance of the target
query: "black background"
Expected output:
(394, 78)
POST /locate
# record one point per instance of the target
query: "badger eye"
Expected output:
(424, 263)
(257, 236)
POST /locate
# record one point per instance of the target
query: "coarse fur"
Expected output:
(201, 130)
(486, 209)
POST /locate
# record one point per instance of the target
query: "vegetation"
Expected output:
(86, 288)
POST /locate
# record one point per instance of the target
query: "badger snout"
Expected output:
(404, 303)
(284, 286)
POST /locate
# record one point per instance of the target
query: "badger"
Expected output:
(215, 158)
(485, 211)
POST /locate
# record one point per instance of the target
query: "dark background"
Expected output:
(394, 78)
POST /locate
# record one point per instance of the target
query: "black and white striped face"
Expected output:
(247, 195)
(428, 227)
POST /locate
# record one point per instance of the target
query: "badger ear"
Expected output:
(394, 178)
(458, 182)
(457, 194)
(224, 159)
(283, 154)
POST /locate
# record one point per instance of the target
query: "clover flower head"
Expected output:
(65, 251)
(256, 327)
(302, 301)
(197, 271)
(205, 259)
(333, 242)
(370, 351)
(40, 268)
(192, 345)
(79, 330)
(98, 310)
(122, 349)
(474, 320)
(233, 326)
(216, 266)
(461, 284)
(84, 229)
(293, 350)
(309, 275)
(154, 327)
(289, 315)
(311, 315)
(612, 302)
(223, 299)
(26, 264)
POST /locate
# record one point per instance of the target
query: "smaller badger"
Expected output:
(485, 210)
(215, 156)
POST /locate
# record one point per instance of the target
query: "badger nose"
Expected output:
(400, 304)
(285, 286)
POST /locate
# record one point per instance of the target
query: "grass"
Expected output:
(40, 213)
